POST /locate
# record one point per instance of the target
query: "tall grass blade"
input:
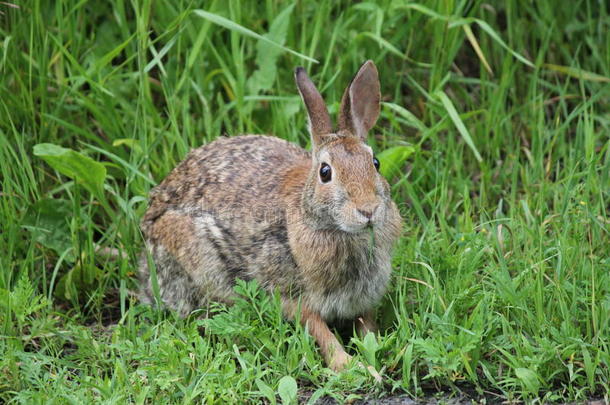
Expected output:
(459, 124)
(475, 45)
(577, 73)
(233, 26)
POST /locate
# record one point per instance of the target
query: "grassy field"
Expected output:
(501, 283)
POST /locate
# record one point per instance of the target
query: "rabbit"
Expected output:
(318, 227)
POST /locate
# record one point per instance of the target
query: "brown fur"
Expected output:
(254, 207)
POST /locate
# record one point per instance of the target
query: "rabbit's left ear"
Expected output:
(361, 102)
(317, 113)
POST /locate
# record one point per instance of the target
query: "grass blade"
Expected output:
(109, 56)
(384, 44)
(490, 31)
(233, 26)
(156, 61)
(407, 115)
(457, 121)
(456, 22)
(475, 44)
(577, 73)
(74, 165)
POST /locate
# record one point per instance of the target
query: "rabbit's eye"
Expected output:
(376, 163)
(325, 173)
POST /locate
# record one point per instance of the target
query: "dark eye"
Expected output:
(325, 173)
(376, 163)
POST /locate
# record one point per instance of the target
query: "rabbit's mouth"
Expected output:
(357, 226)
(361, 218)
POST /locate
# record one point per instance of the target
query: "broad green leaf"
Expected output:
(132, 143)
(77, 282)
(528, 378)
(233, 26)
(577, 73)
(393, 159)
(287, 389)
(589, 367)
(457, 121)
(266, 390)
(371, 346)
(266, 54)
(407, 364)
(83, 169)
(368, 6)
(47, 222)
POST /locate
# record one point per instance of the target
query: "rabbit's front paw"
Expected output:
(376, 376)
(339, 361)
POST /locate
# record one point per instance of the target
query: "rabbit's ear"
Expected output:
(360, 103)
(317, 114)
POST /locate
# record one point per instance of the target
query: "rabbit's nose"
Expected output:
(368, 211)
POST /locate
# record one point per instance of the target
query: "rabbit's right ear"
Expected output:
(317, 114)
(361, 102)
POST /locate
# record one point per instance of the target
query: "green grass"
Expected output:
(501, 280)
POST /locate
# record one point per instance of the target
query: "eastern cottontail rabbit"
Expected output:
(317, 226)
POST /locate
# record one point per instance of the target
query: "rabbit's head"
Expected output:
(344, 189)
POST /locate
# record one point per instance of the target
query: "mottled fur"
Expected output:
(254, 207)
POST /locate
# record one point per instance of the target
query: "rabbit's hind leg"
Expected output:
(191, 268)
(175, 285)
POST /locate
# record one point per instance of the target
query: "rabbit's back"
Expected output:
(238, 172)
(220, 216)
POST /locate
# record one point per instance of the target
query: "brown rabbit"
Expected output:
(317, 226)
